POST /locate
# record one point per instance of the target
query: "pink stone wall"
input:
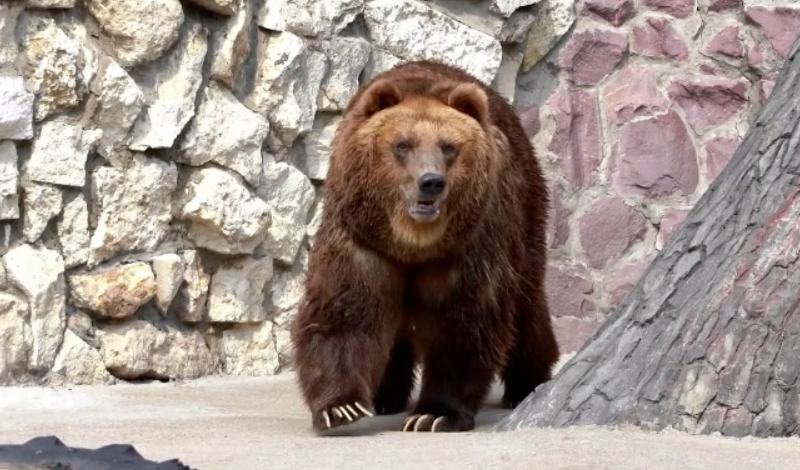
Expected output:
(651, 99)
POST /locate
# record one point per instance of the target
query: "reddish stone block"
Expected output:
(676, 8)
(590, 56)
(656, 37)
(780, 25)
(727, 43)
(709, 102)
(557, 217)
(577, 140)
(718, 153)
(569, 290)
(722, 5)
(655, 157)
(615, 12)
(572, 333)
(765, 87)
(632, 93)
(608, 229)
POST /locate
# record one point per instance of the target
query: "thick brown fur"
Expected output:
(463, 296)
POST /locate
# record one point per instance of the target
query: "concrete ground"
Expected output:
(225, 423)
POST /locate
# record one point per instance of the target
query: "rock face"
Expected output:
(16, 121)
(9, 181)
(314, 18)
(176, 80)
(139, 30)
(237, 291)
(396, 26)
(59, 153)
(138, 349)
(224, 215)
(211, 138)
(133, 207)
(39, 274)
(162, 161)
(52, 70)
(287, 86)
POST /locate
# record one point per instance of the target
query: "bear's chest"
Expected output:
(429, 286)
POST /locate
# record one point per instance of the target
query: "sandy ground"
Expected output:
(259, 423)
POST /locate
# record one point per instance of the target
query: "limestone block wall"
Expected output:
(160, 160)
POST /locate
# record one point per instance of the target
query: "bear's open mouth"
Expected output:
(424, 211)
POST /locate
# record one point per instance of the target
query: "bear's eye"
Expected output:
(402, 147)
(449, 149)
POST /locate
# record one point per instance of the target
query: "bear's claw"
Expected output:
(422, 423)
(336, 416)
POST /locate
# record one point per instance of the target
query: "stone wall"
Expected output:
(639, 108)
(160, 161)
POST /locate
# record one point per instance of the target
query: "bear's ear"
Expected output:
(471, 100)
(378, 96)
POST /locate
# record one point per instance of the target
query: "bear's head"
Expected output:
(414, 163)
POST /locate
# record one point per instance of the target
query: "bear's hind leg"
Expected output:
(534, 352)
(398, 380)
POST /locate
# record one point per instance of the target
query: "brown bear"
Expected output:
(431, 251)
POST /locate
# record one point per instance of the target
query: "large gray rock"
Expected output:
(223, 7)
(138, 349)
(249, 349)
(50, 3)
(42, 203)
(314, 18)
(237, 291)
(119, 103)
(225, 216)
(507, 7)
(346, 59)
(77, 363)
(59, 153)
(318, 145)
(175, 80)
(72, 229)
(9, 47)
(135, 206)
(226, 132)
(16, 338)
(288, 286)
(287, 84)
(9, 181)
(51, 71)
(479, 15)
(230, 46)
(415, 31)
(289, 194)
(169, 272)
(16, 120)
(140, 30)
(190, 301)
(554, 19)
(39, 273)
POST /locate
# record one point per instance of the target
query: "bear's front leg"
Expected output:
(342, 337)
(468, 342)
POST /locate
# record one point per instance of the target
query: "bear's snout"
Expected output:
(431, 186)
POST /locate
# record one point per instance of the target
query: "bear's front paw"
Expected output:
(339, 415)
(433, 423)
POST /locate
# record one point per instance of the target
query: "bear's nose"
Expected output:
(431, 185)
